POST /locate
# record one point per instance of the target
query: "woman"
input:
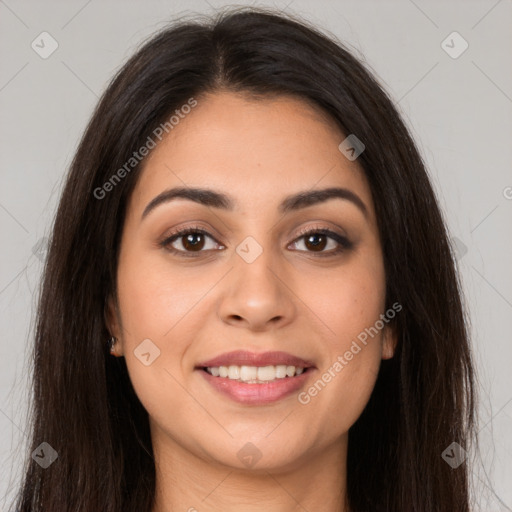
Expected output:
(249, 300)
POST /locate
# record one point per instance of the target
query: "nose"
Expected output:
(258, 295)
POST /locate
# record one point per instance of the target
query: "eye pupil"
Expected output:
(312, 241)
(191, 241)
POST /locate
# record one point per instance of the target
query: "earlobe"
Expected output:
(111, 346)
(389, 341)
(111, 318)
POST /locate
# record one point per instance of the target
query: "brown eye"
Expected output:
(316, 241)
(320, 239)
(193, 241)
(188, 241)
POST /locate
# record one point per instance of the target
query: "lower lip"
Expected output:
(257, 394)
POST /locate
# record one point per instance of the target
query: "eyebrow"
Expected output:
(212, 198)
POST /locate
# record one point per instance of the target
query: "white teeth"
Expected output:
(248, 373)
(255, 374)
(281, 371)
(266, 373)
(234, 372)
(290, 371)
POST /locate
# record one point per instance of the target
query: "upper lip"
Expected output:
(246, 358)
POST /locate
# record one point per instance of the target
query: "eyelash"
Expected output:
(343, 243)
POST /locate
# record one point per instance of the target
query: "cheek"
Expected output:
(148, 318)
(156, 370)
(163, 304)
(347, 300)
(349, 303)
(153, 295)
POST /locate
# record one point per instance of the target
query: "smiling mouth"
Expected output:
(255, 374)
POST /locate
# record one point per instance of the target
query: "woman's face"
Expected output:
(252, 282)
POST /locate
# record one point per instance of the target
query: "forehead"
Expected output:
(256, 150)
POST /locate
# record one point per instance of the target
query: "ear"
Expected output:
(389, 341)
(113, 323)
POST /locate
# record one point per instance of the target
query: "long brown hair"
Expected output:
(84, 405)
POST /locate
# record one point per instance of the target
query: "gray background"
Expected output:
(459, 110)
